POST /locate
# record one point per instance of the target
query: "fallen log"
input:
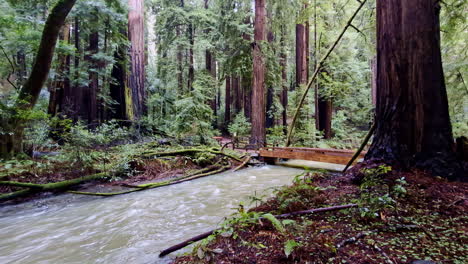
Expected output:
(244, 163)
(143, 187)
(189, 151)
(49, 187)
(207, 234)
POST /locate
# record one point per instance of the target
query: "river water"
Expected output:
(131, 228)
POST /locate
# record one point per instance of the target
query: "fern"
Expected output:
(276, 223)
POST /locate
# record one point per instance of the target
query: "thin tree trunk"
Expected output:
(136, 33)
(413, 123)
(191, 72)
(227, 105)
(284, 92)
(236, 88)
(74, 101)
(258, 94)
(90, 93)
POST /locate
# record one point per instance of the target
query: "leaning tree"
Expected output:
(11, 133)
(412, 119)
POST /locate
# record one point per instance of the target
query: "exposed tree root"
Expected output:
(143, 187)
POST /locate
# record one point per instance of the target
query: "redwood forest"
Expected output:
(234, 131)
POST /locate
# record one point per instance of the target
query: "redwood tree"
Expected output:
(258, 136)
(413, 123)
(136, 34)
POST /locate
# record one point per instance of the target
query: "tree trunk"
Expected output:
(90, 93)
(119, 90)
(284, 92)
(11, 143)
(76, 96)
(258, 88)
(191, 72)
(236, 88)
(413, 123)
(325, 113)
(227, 106)
(136, 33)
(301, 55)
(62, 82)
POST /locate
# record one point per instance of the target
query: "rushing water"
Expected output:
(131, 228)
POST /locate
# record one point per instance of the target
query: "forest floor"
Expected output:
(402, 217)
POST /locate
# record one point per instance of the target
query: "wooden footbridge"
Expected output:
(337, 156)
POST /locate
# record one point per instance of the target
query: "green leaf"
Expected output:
(289, 247)
(276, 223)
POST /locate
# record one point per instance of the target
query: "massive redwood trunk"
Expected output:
(136, 33)
(413, 123)
(258, 136)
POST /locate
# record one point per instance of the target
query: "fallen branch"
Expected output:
(190, 151)
(318, 210)
(246, 161)
(49, 187)
(185, 243)
(353, 239)
(363, 145)
(317, 71)
(143, 187)
(207, 234)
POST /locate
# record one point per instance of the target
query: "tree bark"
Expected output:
(191, 71)
(227, 105)
(136, 33)
(301, 55)
(413, 123)
(76, 96)
(258, 136)
(325, 113)
(62, 82)
(237, 95)
(119, 90)
(11, 143)
(90, 92)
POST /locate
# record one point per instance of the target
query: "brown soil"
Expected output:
(429, 222)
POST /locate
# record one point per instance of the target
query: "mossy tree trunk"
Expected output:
(11, 140)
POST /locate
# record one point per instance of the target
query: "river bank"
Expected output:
(119, 169)
(401, 218)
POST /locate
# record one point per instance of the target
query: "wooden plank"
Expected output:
(313, 154)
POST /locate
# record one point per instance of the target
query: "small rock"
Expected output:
(423, 262)
(218, 250)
